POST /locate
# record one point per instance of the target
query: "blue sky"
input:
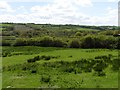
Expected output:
(82, 12)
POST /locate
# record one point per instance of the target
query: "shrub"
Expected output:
(70, 56)
(101, 73)
(99, 66)
(46, 42)
(101, 57)
(87, 42)
(74, 44)
(116, 64)
(5, 43)
(78, 70)
(69, 69)
(31, 60)
(88, 68)
(55, 57)
(20, 42)
(91, 42)
(5, 54)
(37, 58)
(47, 58)
(59, 43)
(33, 71)
(43, 56)
(78, 34)
(45, 78)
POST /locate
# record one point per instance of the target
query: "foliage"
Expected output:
(48, 35)
(5, 43)
(61, 67)
(77, 34)
(45, 79)
(61, 71)
(74, 44)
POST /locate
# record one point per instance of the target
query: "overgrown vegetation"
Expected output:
(48, 70)
(48, 35)
(59, 56)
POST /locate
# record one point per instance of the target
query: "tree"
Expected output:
(46, 41)
(59, 43)
(77, 34)
(88, 42)
(74, 44)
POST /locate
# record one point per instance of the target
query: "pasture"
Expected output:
(59, 56)
(65, 68)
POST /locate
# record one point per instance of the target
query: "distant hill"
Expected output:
(32, 26)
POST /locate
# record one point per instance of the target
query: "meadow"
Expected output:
(59, 56)
(55, 72)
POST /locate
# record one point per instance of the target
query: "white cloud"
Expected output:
(112, 11)
(84, 3)
(112, 15)
(22, 9)
(27, 0)
(109, 18)
(4, 6)
(62, 12)
(113, 0)
(8, 18)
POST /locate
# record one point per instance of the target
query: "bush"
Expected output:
(46, 42)
(101, 57)
(5, 43)
(116, 64)
(59, 43)
(101, 73)
(70, 56)
(43, 56)
(47, 58)
(20, 42)
(37, 58)
(69, 69)
(45, 78)
(5, 54)
(99, 66)
(74, 44)
(91, 42)
(87, 42)
(31, 60)
(78, 34)
(33, 71)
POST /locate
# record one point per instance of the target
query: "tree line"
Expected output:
(89, 41)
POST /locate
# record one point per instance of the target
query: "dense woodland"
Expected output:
(49, 35)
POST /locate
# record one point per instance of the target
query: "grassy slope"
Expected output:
(25, 80)
(64, 54)
(62, 80)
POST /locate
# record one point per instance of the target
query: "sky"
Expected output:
(79, 12)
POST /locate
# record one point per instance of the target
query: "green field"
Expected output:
(58, 72)
(59, 56)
